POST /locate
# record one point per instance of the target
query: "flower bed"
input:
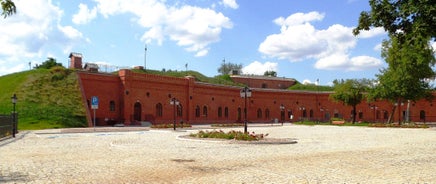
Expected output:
(171, 125)
(396, 125)
(236, 135)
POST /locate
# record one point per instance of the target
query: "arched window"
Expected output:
(226, 112)
(180, 110)
(304, 113)
(267, 113)
(220, 112)
(385, 115)
(259, 113)
(197, 111)
(159, 110)
(205, 111)
(360, 115)
(422, 115)
(112, 106)
(311, 113)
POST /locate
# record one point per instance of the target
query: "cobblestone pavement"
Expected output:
(323, 154)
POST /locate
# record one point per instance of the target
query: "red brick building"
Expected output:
(131, 98)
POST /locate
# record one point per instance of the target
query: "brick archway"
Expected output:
(137, 110)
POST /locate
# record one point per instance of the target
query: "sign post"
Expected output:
(94, 106)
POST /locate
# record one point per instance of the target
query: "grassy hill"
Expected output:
(46, 98)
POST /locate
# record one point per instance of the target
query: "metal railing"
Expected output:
(6, 126)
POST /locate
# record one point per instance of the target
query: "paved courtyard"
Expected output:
(323, 154)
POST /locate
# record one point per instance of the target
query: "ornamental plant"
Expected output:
(236, 135)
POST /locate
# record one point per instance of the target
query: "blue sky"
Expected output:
(305, 40)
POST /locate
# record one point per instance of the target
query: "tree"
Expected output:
(408, 73)
(226, 68)
(400, 18)
(270, 73)
(350, 92)
(49, 63)
(410, 25)
(8, 8)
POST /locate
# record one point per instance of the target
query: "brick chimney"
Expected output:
(75, 61)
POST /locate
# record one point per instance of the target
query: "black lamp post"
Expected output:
(245, 93)
(175, 103)
(14, 124)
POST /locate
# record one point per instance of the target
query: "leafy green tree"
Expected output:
(8, 8)
(270, 73)
(350, 92)
(49, 63)
(226, 68)
(400, 18)
(410, 58)
(408, 73)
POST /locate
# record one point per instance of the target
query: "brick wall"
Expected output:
(218, 103)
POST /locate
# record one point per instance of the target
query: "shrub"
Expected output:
(236, 135)
(171, 125)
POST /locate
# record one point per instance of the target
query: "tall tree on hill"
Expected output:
(8, 8)
(226, 68)
(49, 63)
(350, 92)
(270, 73)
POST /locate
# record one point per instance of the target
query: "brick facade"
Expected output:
(131, 98)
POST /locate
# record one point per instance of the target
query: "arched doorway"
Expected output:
(137, 109)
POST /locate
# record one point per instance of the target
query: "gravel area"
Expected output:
(322, 154)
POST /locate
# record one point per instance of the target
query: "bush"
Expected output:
(396, 125)
(171, 125)
(236, 135)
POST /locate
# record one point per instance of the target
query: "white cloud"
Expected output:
(307, 81)
(25, 36)
(299, 18)
(258, 68)
(378, 47)
(84, 15)
(434, 46)
(230, 3)
(191, 27)
(344, 62)
(14, 69)
(299, 39)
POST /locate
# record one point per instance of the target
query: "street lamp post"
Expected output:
(14, 124)
(282, 113)
(245, 93)
(175, 103)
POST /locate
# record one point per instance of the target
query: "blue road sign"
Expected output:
(94, 102)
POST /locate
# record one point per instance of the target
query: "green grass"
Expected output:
(46, 98)
(310, 87)
(311, 123)
(220, 79)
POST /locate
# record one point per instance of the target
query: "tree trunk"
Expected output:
(391, 116)
(399, 111)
